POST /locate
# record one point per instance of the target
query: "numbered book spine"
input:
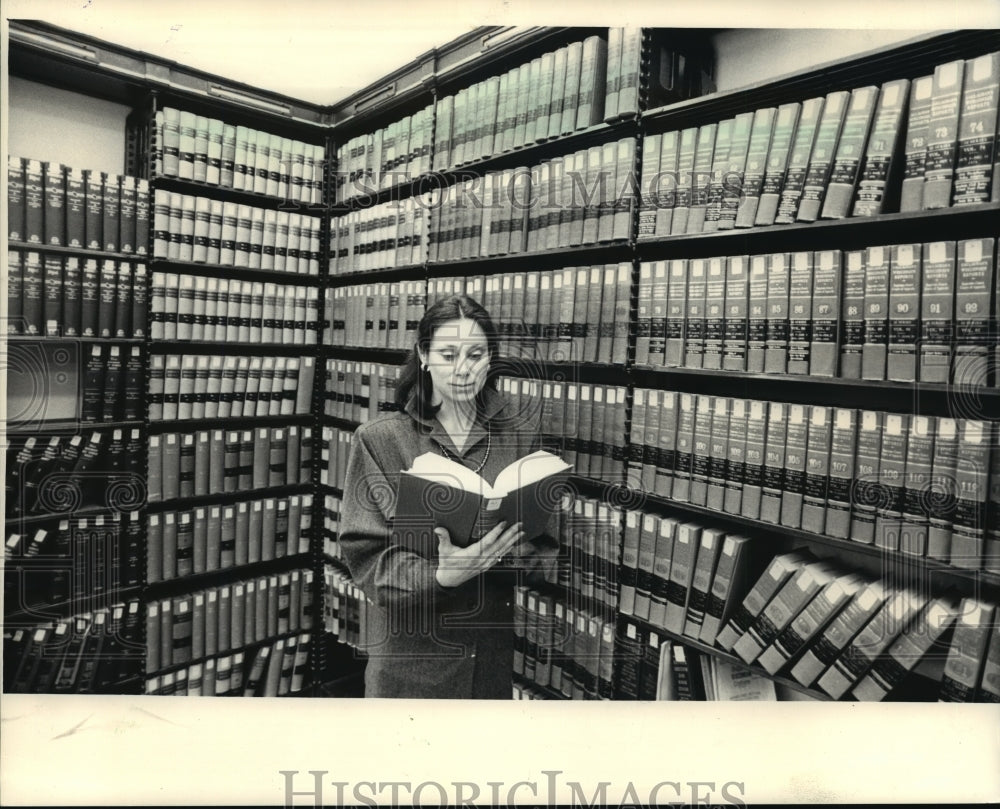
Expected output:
(875, 350)
(801, 289)
(972, 473)
(757, 317)
(824, 152)
(850, 149)
(878, 179)
(892, 466)
(904, 312)
(916, 483)
(942, 135)
(785, 124)
(867, 491)
(974, 286)
(912, 189)
(798, 160)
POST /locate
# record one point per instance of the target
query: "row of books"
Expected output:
(52, 205)
(98, 555)
(382, 315)
(582, 198)
(849, 634)
(686, 674)
(113, 383)
(848, 153)
(183, 387)
(589, 533)
(899, 312)
(562, 648)
(218, 461)
(208, 538)
(89, 653)
(585, 425)
(57, 296)
(207, 150)
(331, 526)
(230, 234)
(273, 670)
(334, 452)
(346, 611)
(68, 471)
(574, 87)
(359, 391)
(381, 159)
(225, 619)
(655, 668)
(574, 314)
(908, 483)
(186, 307)
(392, 234)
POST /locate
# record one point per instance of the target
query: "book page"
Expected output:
(439, 469)
(527, 470)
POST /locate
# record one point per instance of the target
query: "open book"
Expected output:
(437, 491)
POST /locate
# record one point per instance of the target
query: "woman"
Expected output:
(448, 619)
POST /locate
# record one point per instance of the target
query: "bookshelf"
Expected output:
(75, 514)
(386, 223)
(242, 256)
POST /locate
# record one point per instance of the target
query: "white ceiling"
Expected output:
(323, 50)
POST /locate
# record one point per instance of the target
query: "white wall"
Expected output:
(69, 128)
(748, 55)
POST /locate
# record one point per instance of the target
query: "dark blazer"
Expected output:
(428, 640)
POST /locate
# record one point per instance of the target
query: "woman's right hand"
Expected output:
(457, 565)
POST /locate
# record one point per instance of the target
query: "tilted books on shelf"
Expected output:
(439, 491)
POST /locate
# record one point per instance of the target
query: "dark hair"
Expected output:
(413, 381)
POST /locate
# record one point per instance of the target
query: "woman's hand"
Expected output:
(536, 556)
(457, 565)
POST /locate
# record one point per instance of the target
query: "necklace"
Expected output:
(489, 442)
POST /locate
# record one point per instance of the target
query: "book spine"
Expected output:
(974, 169)
(867, 490)
(877, 179)
(874, 352)
(778, 322)
(756, 165)
(757, 308)
(942, 135)
(904, 313)
(799, 158)
(850, 149)
(974, 286)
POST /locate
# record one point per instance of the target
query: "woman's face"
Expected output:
(457, 360)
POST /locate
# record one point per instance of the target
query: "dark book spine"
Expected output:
(127, 210)
(34, 203)
(94, 221)
(54, 227)
(89, 295)
(111, 221)
(108, 294)
(76, 209)
(123, 302)
(72, 290)
(132, 409)
(15, 285)
(93, 385)
(111, 406)
(32, 287)
(15, 199)
(53, 297)
(142, 217)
